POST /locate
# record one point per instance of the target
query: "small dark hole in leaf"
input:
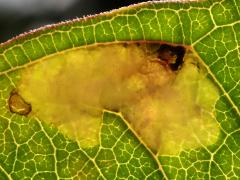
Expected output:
(18, 105)
(125, 45)
(173, 55)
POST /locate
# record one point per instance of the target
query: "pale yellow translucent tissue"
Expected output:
(170, 111)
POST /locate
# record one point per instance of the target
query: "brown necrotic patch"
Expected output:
(172, 55)
(161, 90)
(18, 105)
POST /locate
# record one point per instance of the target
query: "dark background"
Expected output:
(18, 16)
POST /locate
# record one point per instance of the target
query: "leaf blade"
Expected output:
(167, 25)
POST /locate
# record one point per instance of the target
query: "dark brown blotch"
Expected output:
(18, 105)
(172, 55)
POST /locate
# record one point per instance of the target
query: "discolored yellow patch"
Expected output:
(170, 110)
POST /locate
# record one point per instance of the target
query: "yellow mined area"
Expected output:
(169, 110)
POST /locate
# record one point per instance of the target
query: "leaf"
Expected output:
(30, 148)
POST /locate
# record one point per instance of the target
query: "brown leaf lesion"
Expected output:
(18, 105)
(173, 56)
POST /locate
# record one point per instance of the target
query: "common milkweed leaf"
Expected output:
(109, 143)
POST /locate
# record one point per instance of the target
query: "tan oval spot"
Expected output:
(18, 105)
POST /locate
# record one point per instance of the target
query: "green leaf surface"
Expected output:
(32, 149)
